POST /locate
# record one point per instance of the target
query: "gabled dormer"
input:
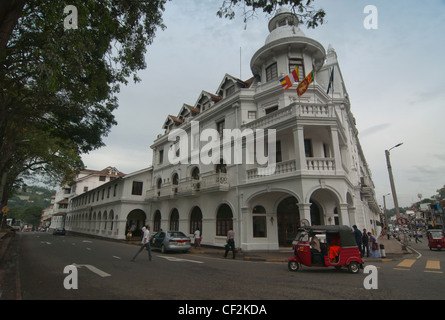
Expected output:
(206, 100)
(187, 112)
(230, 85)
(171, 122)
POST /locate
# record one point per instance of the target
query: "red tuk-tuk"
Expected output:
(436, 239)
(326, 246)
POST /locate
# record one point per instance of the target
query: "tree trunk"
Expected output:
(10, 11)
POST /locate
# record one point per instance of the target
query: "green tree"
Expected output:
(59, 86)
(441, 193)
(303, 9)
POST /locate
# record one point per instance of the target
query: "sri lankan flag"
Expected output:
(288, 81)
(302, 87)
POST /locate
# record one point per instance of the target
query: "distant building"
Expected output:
(86, 179)
(109, 210)
(321, 176)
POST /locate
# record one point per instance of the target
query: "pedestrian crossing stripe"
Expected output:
(432, 266)
(407, 263)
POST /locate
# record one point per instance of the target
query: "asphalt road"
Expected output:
(36, 262)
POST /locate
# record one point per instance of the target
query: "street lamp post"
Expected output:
(393, 189)
(391, 180)
(386, 214)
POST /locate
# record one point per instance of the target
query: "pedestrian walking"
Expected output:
(230, 243)
(365, 243)
(417, 236)
(358, 239)
(197, 236)
(145, 243)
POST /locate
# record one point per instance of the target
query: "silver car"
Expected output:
(171, 241)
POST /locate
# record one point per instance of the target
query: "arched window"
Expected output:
(259, 222)
(195, 176)
(111, 220)
(195, 219)
(224, 220)
(174, 220)
(221, 167)
(175, 182)
(158, 186)
(157, 221)
(195, 173)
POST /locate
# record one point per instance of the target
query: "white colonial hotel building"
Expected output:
(321, 173)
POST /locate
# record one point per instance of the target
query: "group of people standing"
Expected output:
(366, 241)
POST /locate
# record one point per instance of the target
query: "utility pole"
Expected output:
(393, 191)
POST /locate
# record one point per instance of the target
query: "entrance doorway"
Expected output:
(135, 222)
(288, 216)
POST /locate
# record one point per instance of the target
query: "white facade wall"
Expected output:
(105, 210)
(328, 183)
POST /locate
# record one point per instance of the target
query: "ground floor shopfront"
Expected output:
(264, 216)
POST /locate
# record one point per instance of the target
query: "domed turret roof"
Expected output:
(285, 35)
(283, 25)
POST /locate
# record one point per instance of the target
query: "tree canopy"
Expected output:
(59, 86)
(303, 9)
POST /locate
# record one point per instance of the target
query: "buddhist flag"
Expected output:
(302, 87)
(290, 79)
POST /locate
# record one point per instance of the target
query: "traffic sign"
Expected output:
(5, 209)
(402, 221)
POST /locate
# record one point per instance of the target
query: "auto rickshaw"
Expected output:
(436, 239)
(326, 246)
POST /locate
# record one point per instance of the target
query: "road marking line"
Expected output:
(433, 264)
(116, 257)
(179, 260)
(431, 271)
(407, 263)
(97, 271)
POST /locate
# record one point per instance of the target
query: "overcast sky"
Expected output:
(394, 76)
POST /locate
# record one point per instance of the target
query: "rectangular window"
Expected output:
(326, 150)
(271, 72)
(251, 115)
(308, 148)
(259, 227)
(220, 127)
(271, 109)
(161, 156)
(102, 178)
(297, 63)
(230, 90)
(137, 188)
(278, 152)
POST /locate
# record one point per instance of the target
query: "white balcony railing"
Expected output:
(324, 166)
(293, 111)
(207, 183)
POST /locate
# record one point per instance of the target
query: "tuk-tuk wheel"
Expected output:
(293, 265)
(354, 267)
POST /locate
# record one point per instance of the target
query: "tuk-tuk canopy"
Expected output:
(346, 233)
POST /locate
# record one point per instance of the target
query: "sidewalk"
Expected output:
(392, 247)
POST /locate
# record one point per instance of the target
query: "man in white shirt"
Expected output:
(197, 238)
(145, 242)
